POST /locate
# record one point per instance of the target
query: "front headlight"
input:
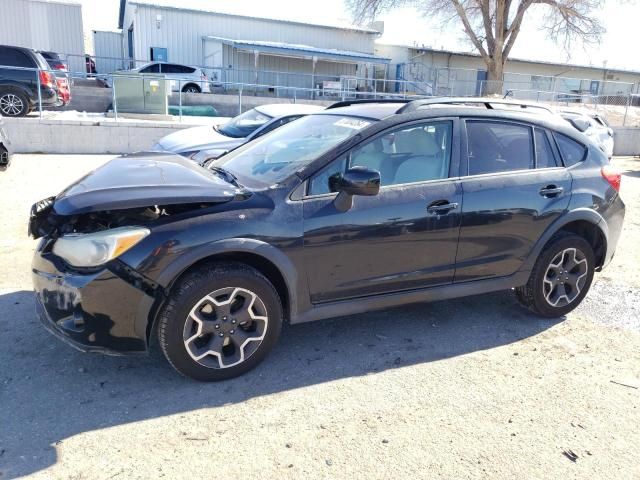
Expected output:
(94, 249)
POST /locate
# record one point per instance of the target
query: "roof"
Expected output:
(291, 49)
(376, 111)
(280, 109)
(511, 59)
(68, 3)
(200, 6)
(410, 110)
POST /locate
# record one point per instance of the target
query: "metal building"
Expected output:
(47, 25)
(239, 48)
(445, 72)
(111, 47)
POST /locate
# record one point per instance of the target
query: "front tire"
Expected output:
(561, 277)
(219, 322)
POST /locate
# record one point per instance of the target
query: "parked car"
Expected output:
(183, 78)
(5, 148)
(63, 79)
(55, 61)
(593, 126)
(19, 86)
(352, 209)
(90, 65)
(206, 143)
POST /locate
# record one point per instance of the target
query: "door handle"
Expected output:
(440, 208)
(551, 191)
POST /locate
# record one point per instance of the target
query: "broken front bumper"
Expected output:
(95, 311)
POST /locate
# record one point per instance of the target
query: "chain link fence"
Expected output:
(616, 101)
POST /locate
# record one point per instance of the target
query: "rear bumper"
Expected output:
(614, 218)
(48, 96)
(96, 312)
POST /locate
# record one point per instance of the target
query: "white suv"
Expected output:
(182, 77)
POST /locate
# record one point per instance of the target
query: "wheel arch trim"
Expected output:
(236, 246)
(579, 214)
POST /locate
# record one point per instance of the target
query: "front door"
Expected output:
(515, 188)
(403, 238)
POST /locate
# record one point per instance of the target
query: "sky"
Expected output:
(406, 27)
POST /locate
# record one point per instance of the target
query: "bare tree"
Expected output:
(493, 25)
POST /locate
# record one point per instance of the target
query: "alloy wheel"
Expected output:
(191, 90)
(225, 327)
(11, 105)
(565, 277)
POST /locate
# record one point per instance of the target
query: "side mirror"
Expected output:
(355, 181)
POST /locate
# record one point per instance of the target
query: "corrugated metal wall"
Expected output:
(109, 51)
(181, 33)
(48, 26)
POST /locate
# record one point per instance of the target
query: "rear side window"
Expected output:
(572, 152)
(544, 153)
(155, 68)
(15, 58)
(171, 68)
(498, 147)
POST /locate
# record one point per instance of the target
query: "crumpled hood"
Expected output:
(143, 180)
(197, 138)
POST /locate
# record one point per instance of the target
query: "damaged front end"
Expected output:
(84, 293)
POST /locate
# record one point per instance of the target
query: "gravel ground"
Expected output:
(470, 388)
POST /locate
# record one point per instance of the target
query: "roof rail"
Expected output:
(488, 103)
(346, 103)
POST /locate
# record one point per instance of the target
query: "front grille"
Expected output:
(39, 223)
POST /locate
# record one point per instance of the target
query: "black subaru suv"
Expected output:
(358, 207)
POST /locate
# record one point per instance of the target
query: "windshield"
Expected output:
(244, 124)
(273, 157)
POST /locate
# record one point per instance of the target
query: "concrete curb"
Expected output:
(626, 141)
(29, 135)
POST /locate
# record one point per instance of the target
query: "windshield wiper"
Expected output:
(226, 175)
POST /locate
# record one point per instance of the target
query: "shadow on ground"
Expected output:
(50, 392)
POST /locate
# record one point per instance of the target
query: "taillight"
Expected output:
(46, 79)
(60, 66)
(612, 175)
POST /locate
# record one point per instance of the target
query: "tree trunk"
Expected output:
(493, 85)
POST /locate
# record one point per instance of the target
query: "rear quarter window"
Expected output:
(15, 58)
(572, 152)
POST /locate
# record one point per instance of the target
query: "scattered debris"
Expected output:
(570, 455)
(329, 462)
(624, 384)
(384, 440)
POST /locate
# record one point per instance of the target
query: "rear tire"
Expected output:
(220, 321)
(191, 89)
(13, 103)
(561, 277)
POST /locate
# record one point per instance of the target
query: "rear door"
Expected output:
(513, 187)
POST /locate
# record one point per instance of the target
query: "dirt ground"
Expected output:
(470, 388)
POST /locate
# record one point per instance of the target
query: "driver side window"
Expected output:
(415, 153)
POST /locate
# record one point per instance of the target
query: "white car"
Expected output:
(209, 142)
(182, 77)
(593, 126)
